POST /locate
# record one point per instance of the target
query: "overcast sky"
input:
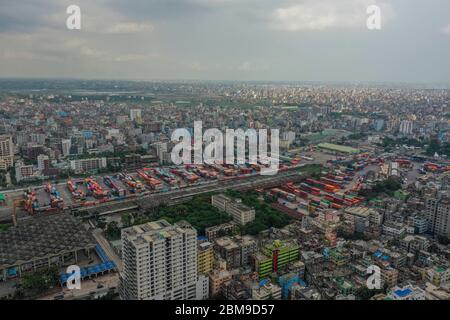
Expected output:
(305, 40)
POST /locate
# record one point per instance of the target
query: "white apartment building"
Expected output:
(135, 114)
(24, 172)
(408, 292)
(241, 213)
(438, 216)
(160, 263)
(66, 145)
(406, 127)
(83, 165)
(43, 162)
(6, 152)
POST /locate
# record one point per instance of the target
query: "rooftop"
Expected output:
(42, 237)
(336, 147)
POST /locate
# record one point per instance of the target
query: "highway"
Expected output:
(148, 200)
(170, 197)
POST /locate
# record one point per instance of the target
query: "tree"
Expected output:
(113, 231)
(126, 220)
(32, 285)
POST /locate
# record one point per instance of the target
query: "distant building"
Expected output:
(406, 127)
(66, 145)
(6, 152)
(24, 172)
(135, 114)
(438, 216)
(241, 213)
(43, 162)
(85, 165)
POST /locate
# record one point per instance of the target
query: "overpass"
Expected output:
(178, 196)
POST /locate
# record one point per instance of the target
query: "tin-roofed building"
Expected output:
(41, 242)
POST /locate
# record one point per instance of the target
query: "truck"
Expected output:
(75, 191)
(110, 183)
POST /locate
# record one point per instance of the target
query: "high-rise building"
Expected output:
(205, 257)
(438, 216)
(6, 152)
(160, 262)
(66, 145)
(43, 162)
(24, 172)
(406, 127)
(135, 114)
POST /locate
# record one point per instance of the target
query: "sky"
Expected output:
(267, 40)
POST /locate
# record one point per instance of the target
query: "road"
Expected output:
(162, 197)
(96, 286)
(153, 200)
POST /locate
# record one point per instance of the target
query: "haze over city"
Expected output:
(287, 40)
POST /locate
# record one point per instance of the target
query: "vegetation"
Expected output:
(443, 240)
(388, 143)
(357, 136)
(198, 212)
(201, 214)
(113, 231)
(35, 284)
(388, 186)
(436, 147)
(265, 217)
(4, 226)
(354, 237)
(365, 293)
(313, 170)
(126, 220)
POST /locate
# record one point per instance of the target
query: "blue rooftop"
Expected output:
(106, 265)
(403, 293)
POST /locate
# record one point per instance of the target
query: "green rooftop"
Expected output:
(337, 148)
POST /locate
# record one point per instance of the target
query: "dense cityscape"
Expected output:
(87, 179)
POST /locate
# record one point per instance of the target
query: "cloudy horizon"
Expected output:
(260, 40)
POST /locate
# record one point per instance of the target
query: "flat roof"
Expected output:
(337, 147)
(41, 237)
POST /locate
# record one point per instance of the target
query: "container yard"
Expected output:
(335, 189)
(94, 190)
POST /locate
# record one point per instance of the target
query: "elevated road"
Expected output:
(182, 195)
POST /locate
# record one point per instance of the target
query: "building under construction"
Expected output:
(41, 242)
